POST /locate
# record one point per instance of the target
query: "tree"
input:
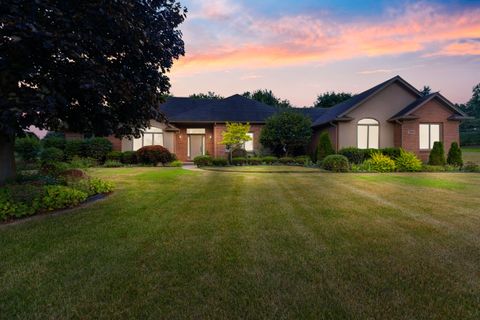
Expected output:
(329, 99)
(437, 154)
(210, 95)
(470, 129)
(286, 133)
(235, 137)
(324, 147)
(426, 91)
(84, 66)
(454, 157)
(267, 97)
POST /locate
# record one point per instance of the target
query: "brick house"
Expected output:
(390, 114)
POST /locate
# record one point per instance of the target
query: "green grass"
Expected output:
(265, 169)
(176, 244)
(471, 154)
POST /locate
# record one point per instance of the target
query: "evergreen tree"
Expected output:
(324, 147)
(437, 154)
(454, 157)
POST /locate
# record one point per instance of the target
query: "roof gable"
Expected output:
(339, 111)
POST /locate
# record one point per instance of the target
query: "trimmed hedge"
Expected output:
(269, 160)
(154, 155)
(201, 161)
(219, 162)
(239, 161)
(287, 160)
(254, 161)
(114, 155)
(129, 157)
(335, 163)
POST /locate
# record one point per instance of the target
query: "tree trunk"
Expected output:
(7, 158)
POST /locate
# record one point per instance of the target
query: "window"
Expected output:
(151, 136)
(429, 133)
(248, 145)
(367, 134)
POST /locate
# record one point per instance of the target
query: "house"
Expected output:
(390, 114)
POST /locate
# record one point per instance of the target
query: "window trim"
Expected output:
(153, 134)
(252, 135)
(430, 144)
(368, 132)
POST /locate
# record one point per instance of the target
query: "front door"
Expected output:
(197, 145)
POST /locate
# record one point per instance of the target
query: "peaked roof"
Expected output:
(407, 111)
(336, 112)
(234, 108)
(311, 112)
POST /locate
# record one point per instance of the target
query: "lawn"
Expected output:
(176, 244)
(471, 154)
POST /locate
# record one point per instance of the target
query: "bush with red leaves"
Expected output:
(154, 155)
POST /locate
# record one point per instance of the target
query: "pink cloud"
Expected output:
(265, 42)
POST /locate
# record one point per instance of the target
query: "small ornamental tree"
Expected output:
(437, 155)
(454, 157)
(235, 136)
(286, 133)
(324, 147)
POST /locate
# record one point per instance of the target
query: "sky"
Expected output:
(302, 48)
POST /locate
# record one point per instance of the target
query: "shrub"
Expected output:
(219, 162)
(201, 161)
(324, 147)
(114, 155)
(112, 164)
(239, 153)
(286, 160)
(390, 152)
(51, 154)
(19, 200)
(254, 161)
(471, 167)
(129, 157)
(454, 157)
(91, 186)
(437, 155)
(73, 174)
(54, 169)
(154, 155)
(335, 163)
(54, 142)
(83, 163)
(239, 161)
(27, 148)
(74, 148)
(354, 155)
(431, 168)
(408, 162)
(175, 163)
(58, 197)
(380, 163)
(269, 159)
(97, 148)
(303, 160)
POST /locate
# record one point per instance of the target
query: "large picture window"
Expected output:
(429, 133)
(367, 134)
(248, 145)
(152, 136)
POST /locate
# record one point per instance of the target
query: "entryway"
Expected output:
(196, 142)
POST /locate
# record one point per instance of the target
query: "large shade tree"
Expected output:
(88, 66)
(267, 97)
(329, 99)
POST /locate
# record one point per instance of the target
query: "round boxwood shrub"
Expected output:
(437, 155)
(51, 154)
(129, 157)
(335, 163)
(454, 157)
(254, 161)
(408, 162)
(286, 160)
(303, 160)
(219, 162)
(239, 161)
(380, 163)
(269, 160)
(202, 161)
(154, 155)
(114, 155)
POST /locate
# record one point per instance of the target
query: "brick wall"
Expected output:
(431, 112)
(181, 140)
(116, 143)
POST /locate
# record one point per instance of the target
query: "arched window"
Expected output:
(367, 134)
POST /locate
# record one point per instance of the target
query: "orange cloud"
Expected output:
(306, 39)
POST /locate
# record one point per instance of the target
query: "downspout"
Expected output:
(336, 135)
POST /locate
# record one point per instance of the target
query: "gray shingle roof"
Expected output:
(235, 108)
(338, 110)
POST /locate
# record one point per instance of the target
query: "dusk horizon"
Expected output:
(304, 48)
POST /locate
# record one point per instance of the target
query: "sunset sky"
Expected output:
(302, 48)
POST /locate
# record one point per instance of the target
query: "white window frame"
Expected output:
(430, 140)
(249, 145)
(368, 122)
(157, 135)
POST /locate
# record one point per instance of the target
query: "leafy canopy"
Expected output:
(329, 99)
(236, 135)
(470, 129)
(86, 66)
(209, 95)
(267, 97)
(426, 91)
(287, 132)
